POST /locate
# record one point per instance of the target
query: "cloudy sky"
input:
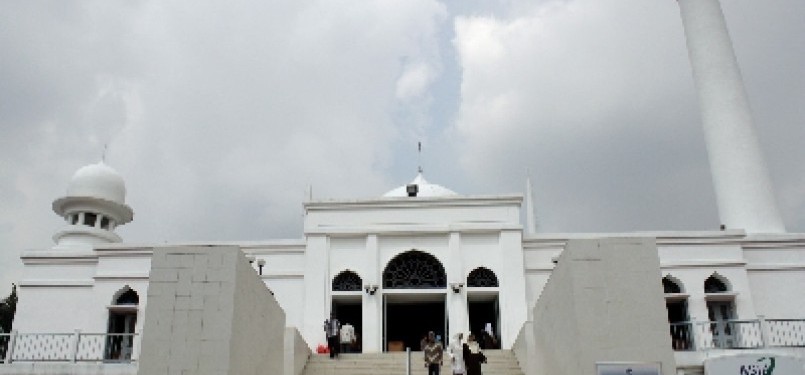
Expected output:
(221, 116)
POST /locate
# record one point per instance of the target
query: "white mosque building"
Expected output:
(422, 257)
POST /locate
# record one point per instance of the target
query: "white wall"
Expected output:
(603, 303)
(210, 314)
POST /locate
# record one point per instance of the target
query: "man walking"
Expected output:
(433, 354)
(331, 328)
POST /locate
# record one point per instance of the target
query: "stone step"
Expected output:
(499, 362)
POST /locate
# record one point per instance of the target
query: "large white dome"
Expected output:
(425, 189)
(98, 181)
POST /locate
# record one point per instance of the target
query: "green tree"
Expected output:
(8, 307)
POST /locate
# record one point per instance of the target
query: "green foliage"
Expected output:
(8, 306)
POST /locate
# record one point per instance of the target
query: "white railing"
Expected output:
(738, 334)
(67, 347)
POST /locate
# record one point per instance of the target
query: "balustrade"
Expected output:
(738, 334)
(67, 347)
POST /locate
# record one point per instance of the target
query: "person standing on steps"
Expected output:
(487, 339)
(433, 354)
(473, 356)
(347, 337)
(332, 327)
(456, 352)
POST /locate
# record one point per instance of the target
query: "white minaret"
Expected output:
(94, 206)
(742, 185)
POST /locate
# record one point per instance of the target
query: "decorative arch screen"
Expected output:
(347, 281)
(129, 297)
(414, 269)
(482, 277)
(669, 286)
(714, 285)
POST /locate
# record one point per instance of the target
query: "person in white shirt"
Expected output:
(455, 350)
(347, 337)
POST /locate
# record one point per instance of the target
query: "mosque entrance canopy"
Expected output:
(414, 284)
(414, 270)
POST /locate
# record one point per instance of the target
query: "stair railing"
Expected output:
(407, 361)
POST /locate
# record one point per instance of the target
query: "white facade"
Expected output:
(763, 274)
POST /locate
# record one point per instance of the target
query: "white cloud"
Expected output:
(414, 81)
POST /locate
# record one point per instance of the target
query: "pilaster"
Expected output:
(456, 302)
(512, 292)
(372, 304)
(316, 297)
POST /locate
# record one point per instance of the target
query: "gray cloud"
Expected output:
(220, 116)
(596, 99)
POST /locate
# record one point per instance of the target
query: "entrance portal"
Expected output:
(349, 310)
(484, 309)
(408, 318)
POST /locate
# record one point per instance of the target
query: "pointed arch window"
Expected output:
(122, 322)
(676, 304)
(482, 277)
(414, 269)
(347, 281)
(721, 311)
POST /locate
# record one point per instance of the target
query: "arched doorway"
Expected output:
(676, 304)
(483, 307)
(414, 285)
(122, 321)
(721, 311)
(347, 305)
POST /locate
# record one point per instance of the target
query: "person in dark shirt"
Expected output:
(433, 354)
(473, 356)
(332, 328)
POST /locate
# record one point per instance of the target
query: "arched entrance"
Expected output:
(483, 307)
(120, 331)
(414, 285)
(347, 306)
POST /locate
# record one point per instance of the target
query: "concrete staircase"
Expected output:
(499, 362)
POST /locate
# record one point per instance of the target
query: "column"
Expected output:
(456, 302)
(372, 305)
(317, 288)
(743, 189)
(512, 287)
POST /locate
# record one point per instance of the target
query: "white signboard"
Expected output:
(628, 368)
(755, 364)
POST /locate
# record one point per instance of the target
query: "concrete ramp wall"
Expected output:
(209, 313)
(603, 303)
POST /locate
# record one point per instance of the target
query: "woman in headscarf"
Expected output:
(456, 352)
(473, 356)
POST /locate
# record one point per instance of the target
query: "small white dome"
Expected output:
(98, 181)
(425, 189)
